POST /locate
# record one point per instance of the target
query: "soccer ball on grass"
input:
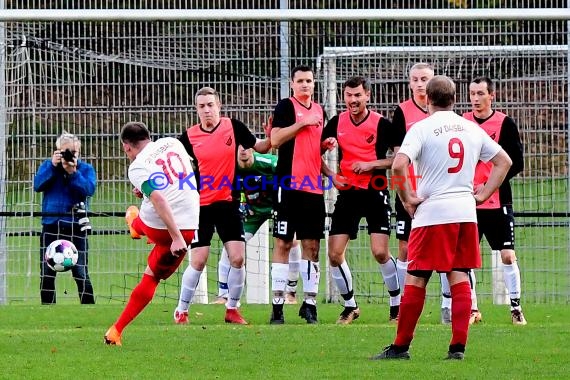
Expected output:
(61, 255)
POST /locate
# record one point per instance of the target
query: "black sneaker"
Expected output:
(394, 311)
(348, 315)
(308, 312)
(455, 355)
(393, 352)
(277, 317)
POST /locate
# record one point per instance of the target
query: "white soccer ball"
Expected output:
(61, 255)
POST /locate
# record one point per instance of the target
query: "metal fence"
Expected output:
(88, 78)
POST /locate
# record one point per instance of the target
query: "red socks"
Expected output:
(140, 297)
(460, 311)
(410, 311)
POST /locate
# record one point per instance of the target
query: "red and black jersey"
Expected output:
(366, 141)
(215, 155)
(504, 131)
(300, 157)
(406, 115)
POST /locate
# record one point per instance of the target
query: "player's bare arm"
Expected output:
(262, 146)
(501, 164)
(338, 180)
(367, 166)
(164, 211)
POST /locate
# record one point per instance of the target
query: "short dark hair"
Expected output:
(134, 132)
(487, 80)
(440, 91)
(303, 68)
(356, 81)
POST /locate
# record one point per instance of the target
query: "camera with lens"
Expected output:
(80, 210)
(68, 155)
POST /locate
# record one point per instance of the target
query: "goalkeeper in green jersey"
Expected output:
(256, 178)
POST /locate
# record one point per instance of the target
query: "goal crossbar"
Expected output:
(513, 14)
(351, 51)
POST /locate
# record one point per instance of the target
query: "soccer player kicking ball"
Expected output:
(445, 149)
(168, 217)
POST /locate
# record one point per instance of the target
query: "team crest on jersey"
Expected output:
(229, 141)
(493, 135)
(369, 139)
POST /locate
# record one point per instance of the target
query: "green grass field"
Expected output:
(66, 342)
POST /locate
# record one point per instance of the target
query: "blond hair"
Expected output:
(206, 91)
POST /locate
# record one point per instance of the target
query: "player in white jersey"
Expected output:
(162, 172)
(444, 149)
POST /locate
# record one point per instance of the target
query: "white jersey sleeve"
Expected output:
(166, 167)
(412, 144)
(489, 148)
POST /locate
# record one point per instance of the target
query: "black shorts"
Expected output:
(498, 227)
(403, 221)
(354, 204)
(298, 212)
(223, 216)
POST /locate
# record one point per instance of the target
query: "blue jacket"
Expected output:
(61, 190)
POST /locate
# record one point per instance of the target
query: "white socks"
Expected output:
(390, 275)
(294, 266)
(310, 273)
(190, 280)
(279, 273)
(402, 269)
(343, 280)
(223, 272)
(236, 280)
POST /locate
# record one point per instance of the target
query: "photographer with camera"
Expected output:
(66, 182)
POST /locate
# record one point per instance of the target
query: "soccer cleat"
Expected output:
(475, 317)
(131, 214)
(290, 298)
(518, 317)
(349, 314)
(277, 317)
(220, 300)
(309, 313)
(112, 337)
(180, 317)
(392, 352)
(455, 355)
(233, 316)
(394, 311)
(445, 316)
